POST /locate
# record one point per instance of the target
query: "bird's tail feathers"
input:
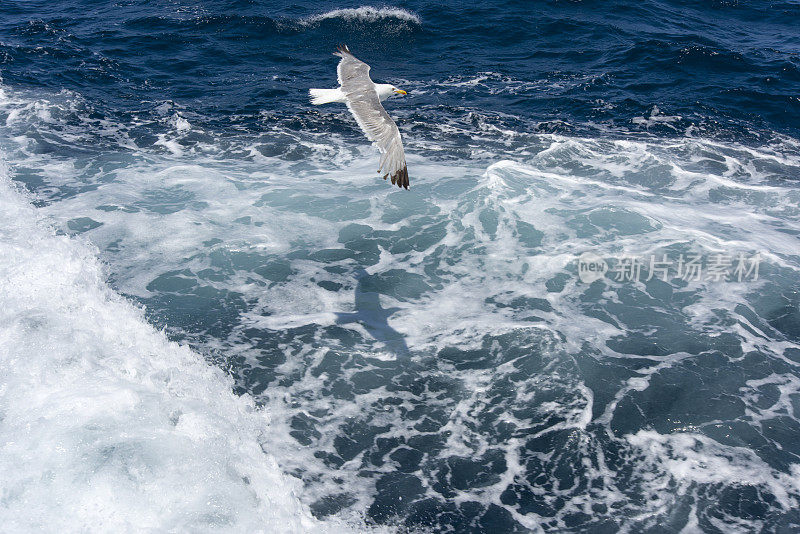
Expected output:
(325, 96)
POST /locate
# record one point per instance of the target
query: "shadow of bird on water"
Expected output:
(373, 317)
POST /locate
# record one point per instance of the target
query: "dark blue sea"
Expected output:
(584, 315)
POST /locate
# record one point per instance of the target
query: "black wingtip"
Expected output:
(400, 178)
(341, 50)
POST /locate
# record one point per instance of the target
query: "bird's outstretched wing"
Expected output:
(377, 125)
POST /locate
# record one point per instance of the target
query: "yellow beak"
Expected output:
(400, 92)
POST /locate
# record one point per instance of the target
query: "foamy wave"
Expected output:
(692, 458)
(367, 14)
(107, 426)
(502, 237)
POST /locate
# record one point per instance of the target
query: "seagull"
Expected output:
(363, 98)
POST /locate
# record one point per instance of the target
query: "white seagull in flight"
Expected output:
(363, 98)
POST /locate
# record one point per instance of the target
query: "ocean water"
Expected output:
(217, 318)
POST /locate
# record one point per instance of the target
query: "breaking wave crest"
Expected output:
(105, 425)
(367, 14)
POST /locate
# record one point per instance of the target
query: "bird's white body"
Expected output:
(363, 98)
(327, 96)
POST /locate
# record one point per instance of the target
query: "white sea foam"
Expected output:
(458, 237)
(656, 117)
(106, 426)
(366, 14)
(691, 458)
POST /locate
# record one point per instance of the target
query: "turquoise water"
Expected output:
(428, 359)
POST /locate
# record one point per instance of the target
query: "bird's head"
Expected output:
(385, 90)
